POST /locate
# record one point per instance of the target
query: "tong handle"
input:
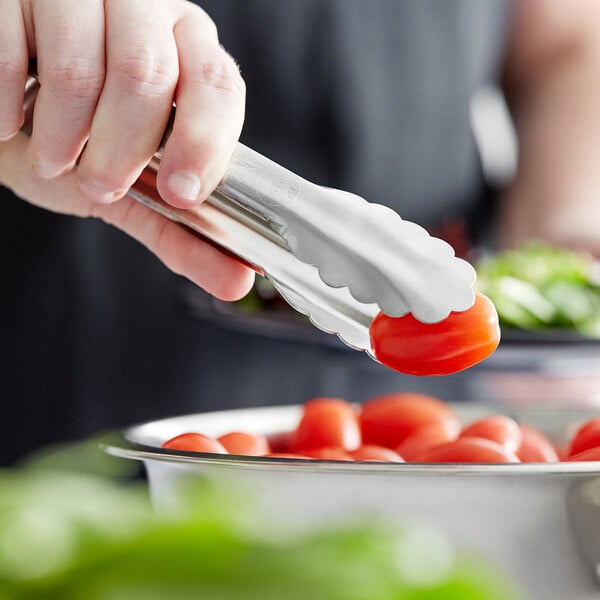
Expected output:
(238, 217)
(202, 220)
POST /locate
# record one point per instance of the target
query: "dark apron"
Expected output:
(372, 97)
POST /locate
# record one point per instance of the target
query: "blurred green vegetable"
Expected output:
(71, 536)
(540, 287)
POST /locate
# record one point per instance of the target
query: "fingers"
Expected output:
(69, 37)
(155, 52)
(177, 248)
(142, 72)
(181, 251)
(110, 71)
(210, 111)
(17, 174)
(13, 67)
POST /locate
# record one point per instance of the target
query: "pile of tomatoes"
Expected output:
(402, 427)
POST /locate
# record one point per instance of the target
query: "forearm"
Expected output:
(555, 100)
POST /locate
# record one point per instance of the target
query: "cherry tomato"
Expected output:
(587, 455)
(535, 446)
(371, 452)
(427, 437)
(587, 436)
(589, 424)
(327, 422)
(195, 442)
(454, 344)
(467, 450)
(498, 428)
(286, 455)
(282, 441)
(246, 444)
(389, 420)
(331, 453)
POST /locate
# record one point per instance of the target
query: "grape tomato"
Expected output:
(535, 446)
(397, 428)
(427, 437)
(370, 452)
(498, 428)
(467, 450)
(388, 420)
(326, 423)
(586, 437)
(245, 444)
(586, 455)
(195, 442)
(328, 453)
(458, 342)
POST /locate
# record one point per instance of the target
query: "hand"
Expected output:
(110, 71)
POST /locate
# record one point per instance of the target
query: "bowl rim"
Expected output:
(123, 444)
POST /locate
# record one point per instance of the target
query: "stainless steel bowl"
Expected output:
(541, 522)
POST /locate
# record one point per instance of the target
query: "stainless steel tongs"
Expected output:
(332, 255)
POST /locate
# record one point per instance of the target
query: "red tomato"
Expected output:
(371, 452)
(281, 442)
(246, 444)
(535, 446)
(498, 428)
(467, 450)
(587, 436)
(286, 455)
(195, 442)
(389, 420)
(587, 455)
(427, 437)
(331, 453)
(590, 423)
(456, 343)
(327, 422)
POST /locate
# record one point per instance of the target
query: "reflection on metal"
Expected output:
(583, 508)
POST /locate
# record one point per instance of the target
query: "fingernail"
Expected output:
(5, 138)
(97, 192)
(184, 185)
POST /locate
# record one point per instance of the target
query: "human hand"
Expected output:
(110, 71)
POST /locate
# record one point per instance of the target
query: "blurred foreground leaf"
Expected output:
(72, 536)
(85, 456)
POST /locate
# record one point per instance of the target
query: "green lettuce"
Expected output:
(542, 287)
(76, 535)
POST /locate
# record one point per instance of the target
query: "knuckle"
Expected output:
(75, 79)
(102, 187)
(221, 73)
(144, 73)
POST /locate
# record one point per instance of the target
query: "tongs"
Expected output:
(333, 256)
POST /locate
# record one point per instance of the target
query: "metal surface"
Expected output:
(538, 521)
(333, 256)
